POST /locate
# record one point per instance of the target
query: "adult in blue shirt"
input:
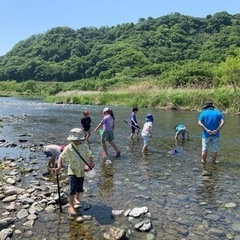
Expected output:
(211, 121)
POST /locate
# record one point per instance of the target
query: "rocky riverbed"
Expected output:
(34, 212)
(176, 196)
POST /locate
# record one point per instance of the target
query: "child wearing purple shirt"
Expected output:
(107, 124)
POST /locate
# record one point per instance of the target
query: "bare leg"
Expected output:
(87, 135)
(71, 205)
(115, 148)
(214, 157)
(131, 136)
(51, 162)
(104, 147)
(77, 197)
(144, 149)
(204, 157)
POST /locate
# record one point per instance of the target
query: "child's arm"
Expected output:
(98, 126)
(59, 165)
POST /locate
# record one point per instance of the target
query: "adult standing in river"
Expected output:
(211, 121)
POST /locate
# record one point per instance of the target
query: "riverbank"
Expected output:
(144, 94)
(152, 97)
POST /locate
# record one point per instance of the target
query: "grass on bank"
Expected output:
(186, 99)
(146, 93)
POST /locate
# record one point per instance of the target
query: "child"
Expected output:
(76, 166)
(86, 125)
(146, 132)
(52, 151)
(134, 124)
(107, 123)
(181, 129)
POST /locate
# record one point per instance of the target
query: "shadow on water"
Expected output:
(101, 212)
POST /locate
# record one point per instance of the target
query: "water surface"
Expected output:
(183, 203)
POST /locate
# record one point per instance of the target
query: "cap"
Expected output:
(106, 109)
(208, 105)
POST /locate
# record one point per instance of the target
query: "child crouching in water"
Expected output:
(76, 166)
(146, 132)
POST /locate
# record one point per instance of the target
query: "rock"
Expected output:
(126, 213)
(23, 213)
(216, 232)
(79, 219)
(236, 227)
(136, 212)
(9, 199)
(117, 212)
(10, 181)
(115, 233)
(29, 223)
(5, 222)
(230, 205)
(143, 226)
(5, 233)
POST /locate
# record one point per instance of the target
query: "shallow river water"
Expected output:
(184, 204)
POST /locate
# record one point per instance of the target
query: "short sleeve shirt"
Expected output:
(54, 149)
(107, 123)
(211, 119)
(76, 165)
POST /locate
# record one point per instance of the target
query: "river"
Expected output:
(184, 204)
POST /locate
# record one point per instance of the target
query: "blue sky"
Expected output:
(20, 19)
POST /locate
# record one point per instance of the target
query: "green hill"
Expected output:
(151, 47)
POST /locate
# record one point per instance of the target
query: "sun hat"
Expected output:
(149, 118)
(106, 109)
(208, 105)
(76, 134)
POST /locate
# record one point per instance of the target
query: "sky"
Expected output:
(20, 19)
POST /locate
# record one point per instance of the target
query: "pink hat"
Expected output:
(106, 109)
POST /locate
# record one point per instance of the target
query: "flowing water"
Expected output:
(182, 201)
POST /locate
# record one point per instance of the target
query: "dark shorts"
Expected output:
(135, 128)
(86, 128)
(48, 154)
(75, 184)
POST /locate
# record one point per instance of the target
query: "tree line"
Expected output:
(175, 50)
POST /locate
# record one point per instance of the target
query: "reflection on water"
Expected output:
(174, 188)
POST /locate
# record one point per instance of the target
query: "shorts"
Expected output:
(146, 139)
(86, 128)
(134, 128)
(212, 142)
(48, 153)
(75, 184)
(107, 136)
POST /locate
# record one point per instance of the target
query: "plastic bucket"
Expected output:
(89, 173)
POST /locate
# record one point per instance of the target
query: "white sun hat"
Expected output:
(76, 134)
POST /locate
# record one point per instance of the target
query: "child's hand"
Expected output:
(57, 170)
(92, 165)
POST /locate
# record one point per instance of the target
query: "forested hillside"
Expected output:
(175, 49)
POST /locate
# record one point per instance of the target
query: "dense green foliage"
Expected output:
(173, 52)
(175, 49)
